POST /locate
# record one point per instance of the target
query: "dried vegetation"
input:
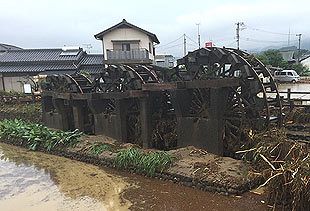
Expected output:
(286, 166)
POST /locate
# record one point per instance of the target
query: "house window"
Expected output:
(125, 47)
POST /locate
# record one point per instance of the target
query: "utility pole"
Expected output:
(184, 43)
(239, 24)
(198, 35)
(299, 40)
(289, 36)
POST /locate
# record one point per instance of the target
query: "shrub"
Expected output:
(147, 163)
(36, 135)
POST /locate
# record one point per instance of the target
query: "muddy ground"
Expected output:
(191, 167)
(41, 181)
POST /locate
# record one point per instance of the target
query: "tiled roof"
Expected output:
(40, 60)
(37, 55)
(34, 68)
(91, 69)
(92, 59)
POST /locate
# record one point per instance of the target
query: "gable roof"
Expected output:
(123, 24)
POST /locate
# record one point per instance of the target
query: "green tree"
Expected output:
(300, 68)
(275, 59)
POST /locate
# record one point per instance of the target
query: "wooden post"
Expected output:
(291, 103)
(121, 119)
(146, 122)
(78, 116)
(217, 105)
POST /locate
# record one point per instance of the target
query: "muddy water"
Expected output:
(37, 181)
(296, 87)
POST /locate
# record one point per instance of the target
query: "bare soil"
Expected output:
(191, 167)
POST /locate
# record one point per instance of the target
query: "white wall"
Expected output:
(13, 84)
(306, 62)
(127, 34)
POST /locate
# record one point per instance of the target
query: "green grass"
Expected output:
(98, 148)
(37, 136)
(147, 163)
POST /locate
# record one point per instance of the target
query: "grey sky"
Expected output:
(55, 23)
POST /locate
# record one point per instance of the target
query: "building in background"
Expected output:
(17, 65)
(167, 61)
(6, 47)
(289, 53)
(306, 61)
(127, 43)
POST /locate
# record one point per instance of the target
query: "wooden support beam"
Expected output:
(78, 116)
(146, 123)
(117, 95)
(211, 83)
(121, 119)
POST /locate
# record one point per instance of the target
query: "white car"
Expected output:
(286, 76)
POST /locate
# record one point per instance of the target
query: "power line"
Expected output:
(265, 41)
(222, 39)
(191, 40)
(266, 31)
(231, 43)
(171, 46)
(170, 42)
(192, 45)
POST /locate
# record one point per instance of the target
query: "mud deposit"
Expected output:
(37, 181)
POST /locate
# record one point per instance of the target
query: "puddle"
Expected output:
(34, 181)
(37, 181)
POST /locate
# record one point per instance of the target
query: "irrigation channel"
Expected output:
(32, 181)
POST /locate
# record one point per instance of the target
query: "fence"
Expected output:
(294, 98)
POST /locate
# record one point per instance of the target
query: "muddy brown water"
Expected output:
(32, 181)
(295, 87)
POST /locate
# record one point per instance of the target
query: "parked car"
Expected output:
(286, 76)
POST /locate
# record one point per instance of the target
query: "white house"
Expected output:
(306, 61)
(127, 43)
(165, 60)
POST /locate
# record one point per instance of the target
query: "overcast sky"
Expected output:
(55, 23)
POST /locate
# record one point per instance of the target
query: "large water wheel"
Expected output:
(76, 83)
(249, 106)
(122, 78)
